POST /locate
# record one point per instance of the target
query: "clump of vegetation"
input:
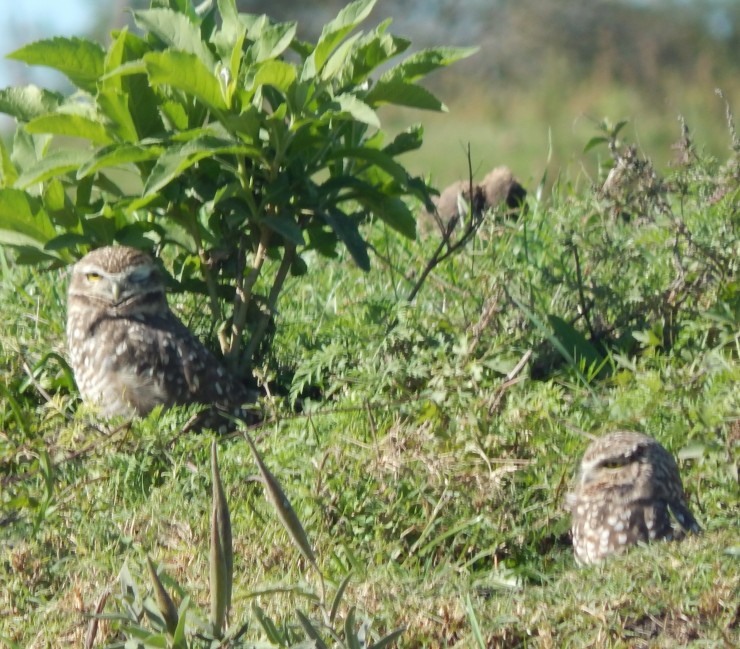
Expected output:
(180, 628)
(221, 141)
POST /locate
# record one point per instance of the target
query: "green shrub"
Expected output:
(221, 140)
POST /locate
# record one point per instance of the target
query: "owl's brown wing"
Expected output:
(197, 376)
(201, 376)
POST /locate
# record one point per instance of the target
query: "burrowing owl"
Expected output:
(128, 351)
(627, 485)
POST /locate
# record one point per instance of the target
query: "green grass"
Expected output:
(412, 460)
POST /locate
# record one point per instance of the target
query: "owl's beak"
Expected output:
(116, 289)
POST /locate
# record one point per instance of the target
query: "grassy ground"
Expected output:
(420, 454)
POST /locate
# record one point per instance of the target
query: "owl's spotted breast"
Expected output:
(128, 351)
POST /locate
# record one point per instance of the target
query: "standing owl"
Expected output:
(128, 350)
(628, 488)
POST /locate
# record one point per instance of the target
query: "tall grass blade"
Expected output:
(311, 631)
(222, 552)
(350, 636)
(475, 627)
(389, 639)
(217, 581)
(268, 626)
(164, 602)
(338, 598)
(285, 510)
(221, 507)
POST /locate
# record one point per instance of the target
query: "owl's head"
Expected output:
(617, 461)
(123, 280)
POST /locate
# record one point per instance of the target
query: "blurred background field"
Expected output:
(545, 75)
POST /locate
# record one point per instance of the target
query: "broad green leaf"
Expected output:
(214, 130)
(535, 319)
(22, 220)
(186, 72)
(401, 93)
(127, 69)
(322, 239)
(178, 158)
(229, 44)
(113, 59)
(174, 115)
(70, 125)
(618, 127)
(82, 61)
(118, 155)
(595, 141)
(348, 18)
(115, 106)
(278, 74)
(338, 58)
(8, 172)
(185, 7)
(374, 157)
(346, 187)
(333, 33)
(84, 191)
(395, 213)
(231, 27)
(143, 102)
(235, 62)
(358, 109)
(299, 267)
(27, 148)
(178, 31)
(54, 196)
(574, 341)
(421, 63)
(375, 141)
(135, 46)
(346, 229)
(26, 102)
(409, 140)
(55, 163)
(272, 40)
(369, 52)
(225, 192)
(285, 226)
(35, 254)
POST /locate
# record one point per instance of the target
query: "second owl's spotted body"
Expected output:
(128, 351)
(628, 491)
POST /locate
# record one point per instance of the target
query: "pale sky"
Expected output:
(25, 21)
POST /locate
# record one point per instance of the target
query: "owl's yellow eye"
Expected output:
(93, 277)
